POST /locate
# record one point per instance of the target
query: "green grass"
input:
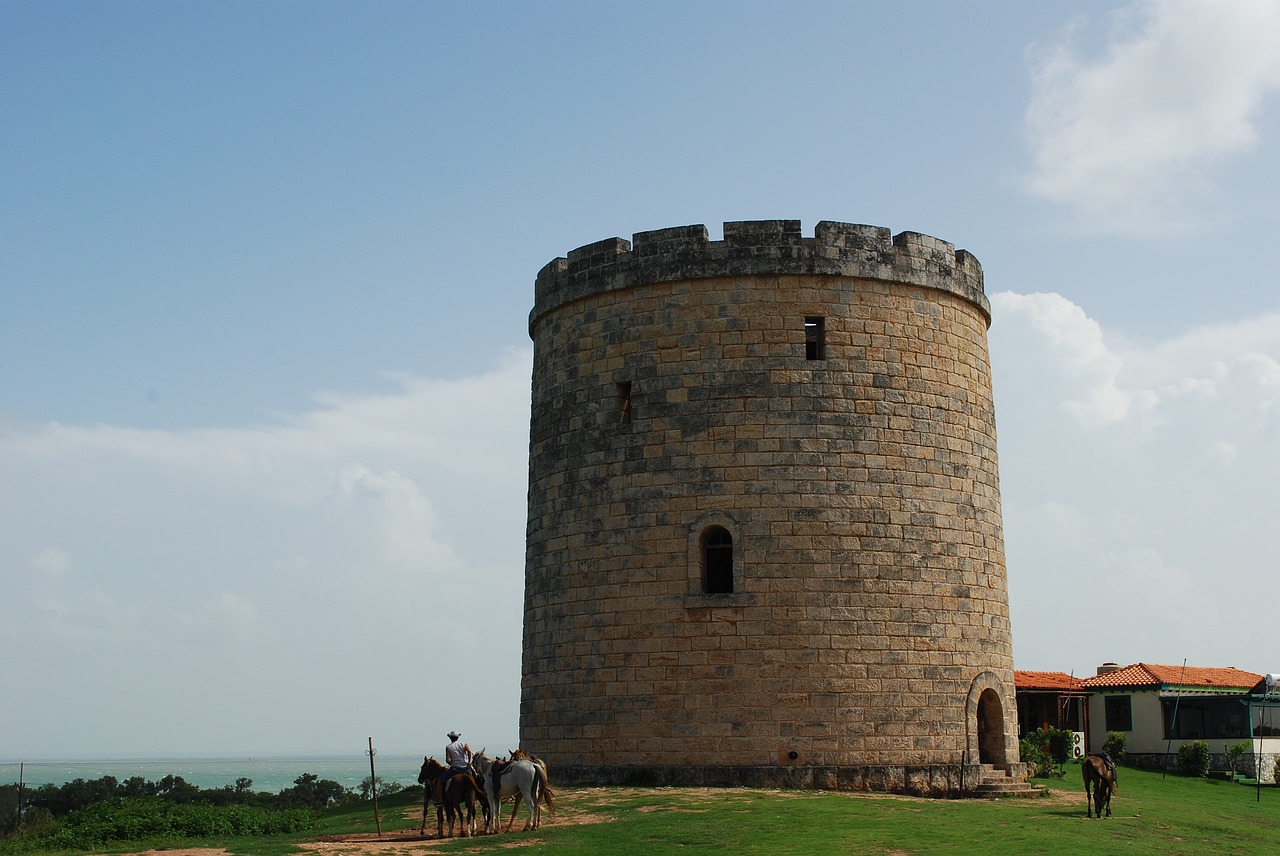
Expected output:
(1152, 815)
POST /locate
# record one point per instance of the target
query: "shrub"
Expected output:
(1047, 750)
(1194, 758)
(148, 818)
(1033, 752)
(1117, 744)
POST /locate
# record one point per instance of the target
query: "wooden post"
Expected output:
(373, 786)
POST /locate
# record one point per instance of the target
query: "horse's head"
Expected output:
(430, 769)
(481, 762)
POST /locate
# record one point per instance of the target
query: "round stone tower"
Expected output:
(764, 540)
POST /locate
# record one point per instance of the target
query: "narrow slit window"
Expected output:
(624, 402)
(814, 346)
(717, 561)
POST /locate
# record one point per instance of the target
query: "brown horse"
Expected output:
(1099, 775)
(450, 794)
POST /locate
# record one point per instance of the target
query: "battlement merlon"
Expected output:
(759, 248)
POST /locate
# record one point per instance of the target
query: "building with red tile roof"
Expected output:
(1023, 679)
(1183, 678)
(1159, 707)
(1051, 700)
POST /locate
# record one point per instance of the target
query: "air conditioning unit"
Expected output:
(1077, 744)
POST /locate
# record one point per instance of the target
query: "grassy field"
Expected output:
(1155, 815)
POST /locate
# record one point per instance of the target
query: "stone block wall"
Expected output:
(673, 395)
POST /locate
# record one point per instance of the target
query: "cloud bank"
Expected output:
(320, 577)
(1137, 479)
(1127, 139)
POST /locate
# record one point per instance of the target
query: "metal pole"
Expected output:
(1173, 723)
(1257, 767)
(1264, 717)
(373, 785)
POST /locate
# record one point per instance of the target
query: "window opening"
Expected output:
(814, 346)
(1212, 718)
(1119, 713)
(624, 402)
(717, 561)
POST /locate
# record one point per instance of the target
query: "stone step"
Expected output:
(996, 783)
(991, 790)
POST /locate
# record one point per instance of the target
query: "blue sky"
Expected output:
(266, 269)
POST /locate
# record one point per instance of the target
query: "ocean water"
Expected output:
(268, 774)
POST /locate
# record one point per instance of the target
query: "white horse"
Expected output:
(504, 778)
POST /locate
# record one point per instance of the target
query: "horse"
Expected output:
(518, 778)
(450, 797)
(1099, 774)
(519, 754)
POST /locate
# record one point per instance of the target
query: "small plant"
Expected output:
(1194, 758)
(1235, 755)
(1116, 745)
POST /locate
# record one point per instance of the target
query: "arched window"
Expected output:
(717, 561)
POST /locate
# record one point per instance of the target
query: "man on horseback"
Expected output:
(457, 757)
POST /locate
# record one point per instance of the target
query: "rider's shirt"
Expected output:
(458, 755)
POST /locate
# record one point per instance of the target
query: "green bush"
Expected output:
(1117, 744)
(1194, 758)
(1046, 749)
(146, 818)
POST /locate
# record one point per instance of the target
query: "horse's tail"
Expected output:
(545, 783)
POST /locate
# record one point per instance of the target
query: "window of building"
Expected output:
(814, 344)
(1119, 713)
(1199, 719)
(717, 561)
(624, 401)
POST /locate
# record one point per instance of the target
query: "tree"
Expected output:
(311, 791)
(385, 788)
(1236, 753)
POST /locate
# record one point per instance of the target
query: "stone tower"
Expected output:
(764, 540)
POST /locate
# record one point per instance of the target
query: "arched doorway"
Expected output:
(989, 739)
(990, 729)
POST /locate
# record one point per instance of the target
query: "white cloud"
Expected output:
(1127, 139)
(51, 562)
(1054, 335)
(1156, 515)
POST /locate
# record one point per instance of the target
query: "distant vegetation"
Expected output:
(88, 814)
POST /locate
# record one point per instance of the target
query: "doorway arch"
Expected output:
(988, 736)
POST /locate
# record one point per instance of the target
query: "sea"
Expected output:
(268, 774)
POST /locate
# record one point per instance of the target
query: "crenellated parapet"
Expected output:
(759, 248)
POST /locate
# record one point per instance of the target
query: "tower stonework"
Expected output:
(764, 539)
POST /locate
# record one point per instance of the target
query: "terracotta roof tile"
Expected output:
(1025, 680)
(1152, 675)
